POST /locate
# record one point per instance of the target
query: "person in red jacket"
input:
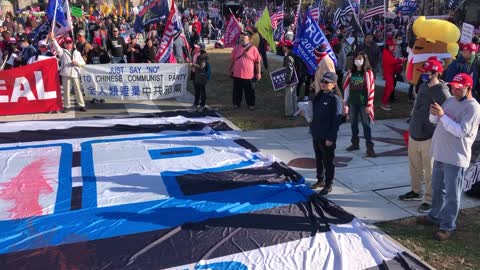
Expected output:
(391, 66)
(196, 25)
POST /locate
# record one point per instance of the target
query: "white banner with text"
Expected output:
(134, 81)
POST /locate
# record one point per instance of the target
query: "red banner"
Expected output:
(232, 32)
(34, 88)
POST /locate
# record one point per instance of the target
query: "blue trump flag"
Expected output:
(153, 11)
(60, 18)
(309, 38)
(407, 7)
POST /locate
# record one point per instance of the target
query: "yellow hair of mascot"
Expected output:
(433, 38)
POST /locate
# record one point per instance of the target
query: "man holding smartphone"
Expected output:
(421, 131)
(457, 127)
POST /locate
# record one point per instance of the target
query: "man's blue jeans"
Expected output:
(447, 192)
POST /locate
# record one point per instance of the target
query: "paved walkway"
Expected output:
(366, 187)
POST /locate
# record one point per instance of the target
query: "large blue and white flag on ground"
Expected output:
(309, 38)
(407, 7)
(172, 190)
(61, 15)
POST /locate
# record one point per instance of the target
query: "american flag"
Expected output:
(343, 15)
(297, 13)
(376, 11)
(172, 27)
(315, 10)
(277, 16)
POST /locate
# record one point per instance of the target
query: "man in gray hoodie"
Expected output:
(431, 91)
(457, 123)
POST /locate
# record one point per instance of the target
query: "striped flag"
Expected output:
(376, 11)
(279, 30)
(277, 16)
(172, 27)
(297, 14)
(343, 15)
(315, 10)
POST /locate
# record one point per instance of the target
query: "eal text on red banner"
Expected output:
(34, 88)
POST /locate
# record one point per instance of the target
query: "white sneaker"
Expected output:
(192, 108)
(387, 107)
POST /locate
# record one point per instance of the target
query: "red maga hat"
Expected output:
(431, 66)
(461, 80)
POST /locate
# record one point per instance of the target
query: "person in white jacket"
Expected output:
(70, 62)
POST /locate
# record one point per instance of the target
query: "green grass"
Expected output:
(270, 105)
(461, 252)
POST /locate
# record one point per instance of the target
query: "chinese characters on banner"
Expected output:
(134, 81)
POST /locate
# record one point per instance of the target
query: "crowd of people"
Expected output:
(444, 120)
(445, 115)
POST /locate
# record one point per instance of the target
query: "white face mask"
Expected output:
(359, 63)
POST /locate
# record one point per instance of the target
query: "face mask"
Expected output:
(359, 63)
(425, 78)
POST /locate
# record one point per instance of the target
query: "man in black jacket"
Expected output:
(117, 47)
(327, 117)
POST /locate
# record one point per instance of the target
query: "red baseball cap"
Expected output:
(68, 39)
(471, 47)
(461, 80)
(288, 43)
(431, 66)
(391, 42)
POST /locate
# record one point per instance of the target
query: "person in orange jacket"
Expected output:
(391, 66)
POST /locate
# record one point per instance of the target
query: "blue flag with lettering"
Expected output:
(153, 11)
(60, 15)
(407, 7)
(309, 38)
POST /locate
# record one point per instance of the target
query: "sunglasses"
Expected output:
(325, 82)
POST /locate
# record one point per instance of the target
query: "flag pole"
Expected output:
(69, 20)
(385, 23)
(283, 18)
(458, 7)
(54, 16)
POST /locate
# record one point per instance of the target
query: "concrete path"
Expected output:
(367, 187)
